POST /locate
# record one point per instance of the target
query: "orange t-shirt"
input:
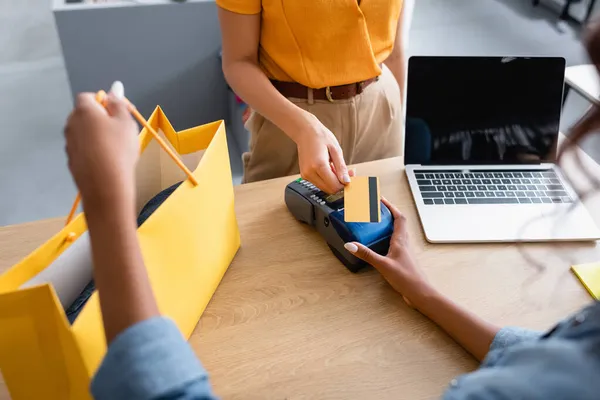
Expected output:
(321, 43)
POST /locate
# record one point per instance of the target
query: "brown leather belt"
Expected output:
(331, 93)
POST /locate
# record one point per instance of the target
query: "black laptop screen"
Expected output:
(483, 110)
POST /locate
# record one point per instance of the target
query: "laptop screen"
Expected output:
(483, 110)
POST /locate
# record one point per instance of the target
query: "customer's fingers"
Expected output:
(115, 103)
(118, 90)
(337, 158)
(367, 255)
(314, 178)
(351, 171)
(400, 235)
(396, 213)
(331, 183)
(87, 101)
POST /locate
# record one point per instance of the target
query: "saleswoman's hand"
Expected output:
(398, 267)
(318, 150)
(102, 147)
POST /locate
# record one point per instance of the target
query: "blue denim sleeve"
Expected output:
(151, 360)
(506, 337)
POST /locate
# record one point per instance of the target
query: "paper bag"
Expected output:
(187, 245)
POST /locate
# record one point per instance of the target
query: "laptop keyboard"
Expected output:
(491, 187)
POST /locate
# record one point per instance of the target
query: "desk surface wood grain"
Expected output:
(290, 322)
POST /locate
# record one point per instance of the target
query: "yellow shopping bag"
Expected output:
(187, 245)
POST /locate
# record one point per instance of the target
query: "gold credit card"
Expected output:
(362, 200)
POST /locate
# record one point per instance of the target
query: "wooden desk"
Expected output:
(290, 322)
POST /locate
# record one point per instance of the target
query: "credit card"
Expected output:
(362, 200)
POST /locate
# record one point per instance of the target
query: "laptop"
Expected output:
(480, 145)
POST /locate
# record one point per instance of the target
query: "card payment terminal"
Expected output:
(326, 213)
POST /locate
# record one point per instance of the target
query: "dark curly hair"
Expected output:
(586, 127)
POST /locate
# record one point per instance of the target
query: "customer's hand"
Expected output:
(318, 150)
(398, 267)
(102, 148)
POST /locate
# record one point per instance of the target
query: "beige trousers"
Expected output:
(368, 127)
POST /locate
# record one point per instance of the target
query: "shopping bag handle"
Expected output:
(101, 98)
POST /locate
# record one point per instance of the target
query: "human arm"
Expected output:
(103, 150)
(317, 145)
(147, 356)
(473, 333)
(120, 276)
(400, 269)
(396, 61)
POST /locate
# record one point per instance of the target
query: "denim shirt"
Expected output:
(563, 363)
(151, 360)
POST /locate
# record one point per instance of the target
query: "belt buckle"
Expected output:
(360, 86)
(328, 94)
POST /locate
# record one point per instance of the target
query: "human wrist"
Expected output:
(300, 124)
(428, 300)
(423, 297)
(109, 202)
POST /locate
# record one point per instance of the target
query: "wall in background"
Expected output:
(36, 98)
(165, 53)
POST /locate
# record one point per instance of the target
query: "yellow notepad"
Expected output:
(589, 275)
(362, 200)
